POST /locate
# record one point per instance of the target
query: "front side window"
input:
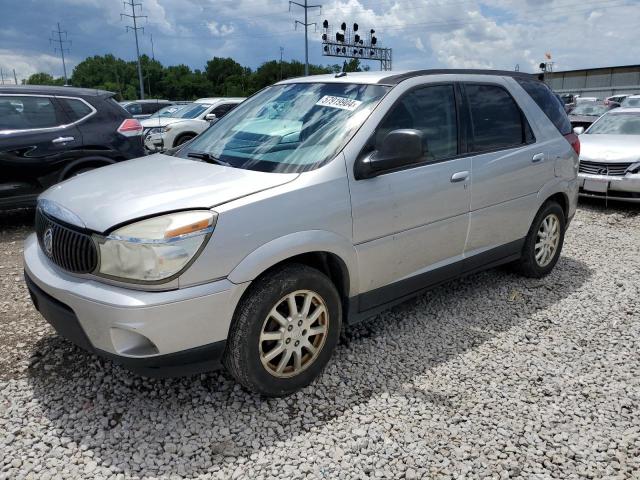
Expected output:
(432, 111)
(27, 112)
(496, 120)
(631, 102)
(293, 127)
(617, 124)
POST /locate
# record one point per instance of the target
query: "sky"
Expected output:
(422, 33)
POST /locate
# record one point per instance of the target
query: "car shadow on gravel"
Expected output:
(193, 425)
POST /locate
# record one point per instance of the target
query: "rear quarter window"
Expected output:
(75, 109)
(548, 103)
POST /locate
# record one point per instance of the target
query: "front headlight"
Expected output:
(156, 249)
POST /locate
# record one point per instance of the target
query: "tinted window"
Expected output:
(496, 121)
(152, 107)
(432, 110)
(134, 109)
(18, 113)
(221, 110)
(75, 109)
(548, 103)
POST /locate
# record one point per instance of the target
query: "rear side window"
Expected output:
(134, 109)
(432, 110)
(496, 120)
(221, 110)
(27, 112)
(75, 109)
(152, 107)
(548, 103)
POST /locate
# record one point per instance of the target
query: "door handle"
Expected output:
(459, 176)
(62, 140)
(538, 157)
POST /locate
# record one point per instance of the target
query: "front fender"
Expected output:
(283, 248)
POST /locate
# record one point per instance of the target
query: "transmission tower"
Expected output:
(134, 16)
(306, 26)
(60, 47)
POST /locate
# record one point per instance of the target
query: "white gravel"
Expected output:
(494, 376)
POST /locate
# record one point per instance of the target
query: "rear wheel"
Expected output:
(284, 331)
(544, 241)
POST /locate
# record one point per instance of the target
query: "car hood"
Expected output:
(161, 121)
(579, 118)
(153, 185)
(610, 148)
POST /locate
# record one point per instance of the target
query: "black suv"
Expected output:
(48, 134)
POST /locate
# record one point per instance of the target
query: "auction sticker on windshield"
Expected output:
(339, 102)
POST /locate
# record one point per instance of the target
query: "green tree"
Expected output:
(42, 78)
(220, 70)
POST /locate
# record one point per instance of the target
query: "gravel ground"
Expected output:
(493, 376)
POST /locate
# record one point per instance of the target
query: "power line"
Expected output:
(135, 28)
(61, 48)
(306, 25)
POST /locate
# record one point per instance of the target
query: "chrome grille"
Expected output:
(68, 248)
(600, 168)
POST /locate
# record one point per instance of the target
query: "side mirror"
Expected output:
(578, 130)
(399, 148)
(210, 116)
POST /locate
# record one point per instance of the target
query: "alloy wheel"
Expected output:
(547, 240)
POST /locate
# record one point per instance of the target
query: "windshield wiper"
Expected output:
(207, 157)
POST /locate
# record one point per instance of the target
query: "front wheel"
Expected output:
(544, 242)
(183, 139)
(284, 331)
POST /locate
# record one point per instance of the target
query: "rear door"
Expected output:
(37, 140)
(509, 167)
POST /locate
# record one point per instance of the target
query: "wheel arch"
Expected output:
(84, 162)
(181, 135)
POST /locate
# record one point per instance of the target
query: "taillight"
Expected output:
(130, 128)
(573, 139)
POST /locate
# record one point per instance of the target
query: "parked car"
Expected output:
(632, 101)
(584, 114)
(617, 98)
(141, 109)
(190, 120)
(50, 134)
(316, 203)
(610, 158)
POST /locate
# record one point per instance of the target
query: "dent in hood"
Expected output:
(153, 185)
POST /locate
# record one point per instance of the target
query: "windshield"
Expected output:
(617, 124)
(631, 102)
(169, 111)
(192, 110)
(289, 128)
(589, 109)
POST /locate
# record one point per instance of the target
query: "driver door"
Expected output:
(410, 226)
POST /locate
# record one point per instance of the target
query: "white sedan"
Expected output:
(161, 133)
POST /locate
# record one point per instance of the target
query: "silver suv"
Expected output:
(316, 203)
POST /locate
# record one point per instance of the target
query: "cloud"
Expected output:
(28, 65)
(220, 30)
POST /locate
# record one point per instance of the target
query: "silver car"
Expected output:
(314, 204)
(610, 157)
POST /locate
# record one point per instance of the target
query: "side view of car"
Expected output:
(314, 204)
(184, 124)
(610, 157)
(141, 109)
(50, 134)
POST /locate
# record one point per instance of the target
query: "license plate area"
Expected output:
(596, 185)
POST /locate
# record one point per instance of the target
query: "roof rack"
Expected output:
(395, 79)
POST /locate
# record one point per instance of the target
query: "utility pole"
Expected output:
(153, 55)
(281, 52)
(61, 47)
(135, 28)
(306, 25)
(1, 76)
(15, 78)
